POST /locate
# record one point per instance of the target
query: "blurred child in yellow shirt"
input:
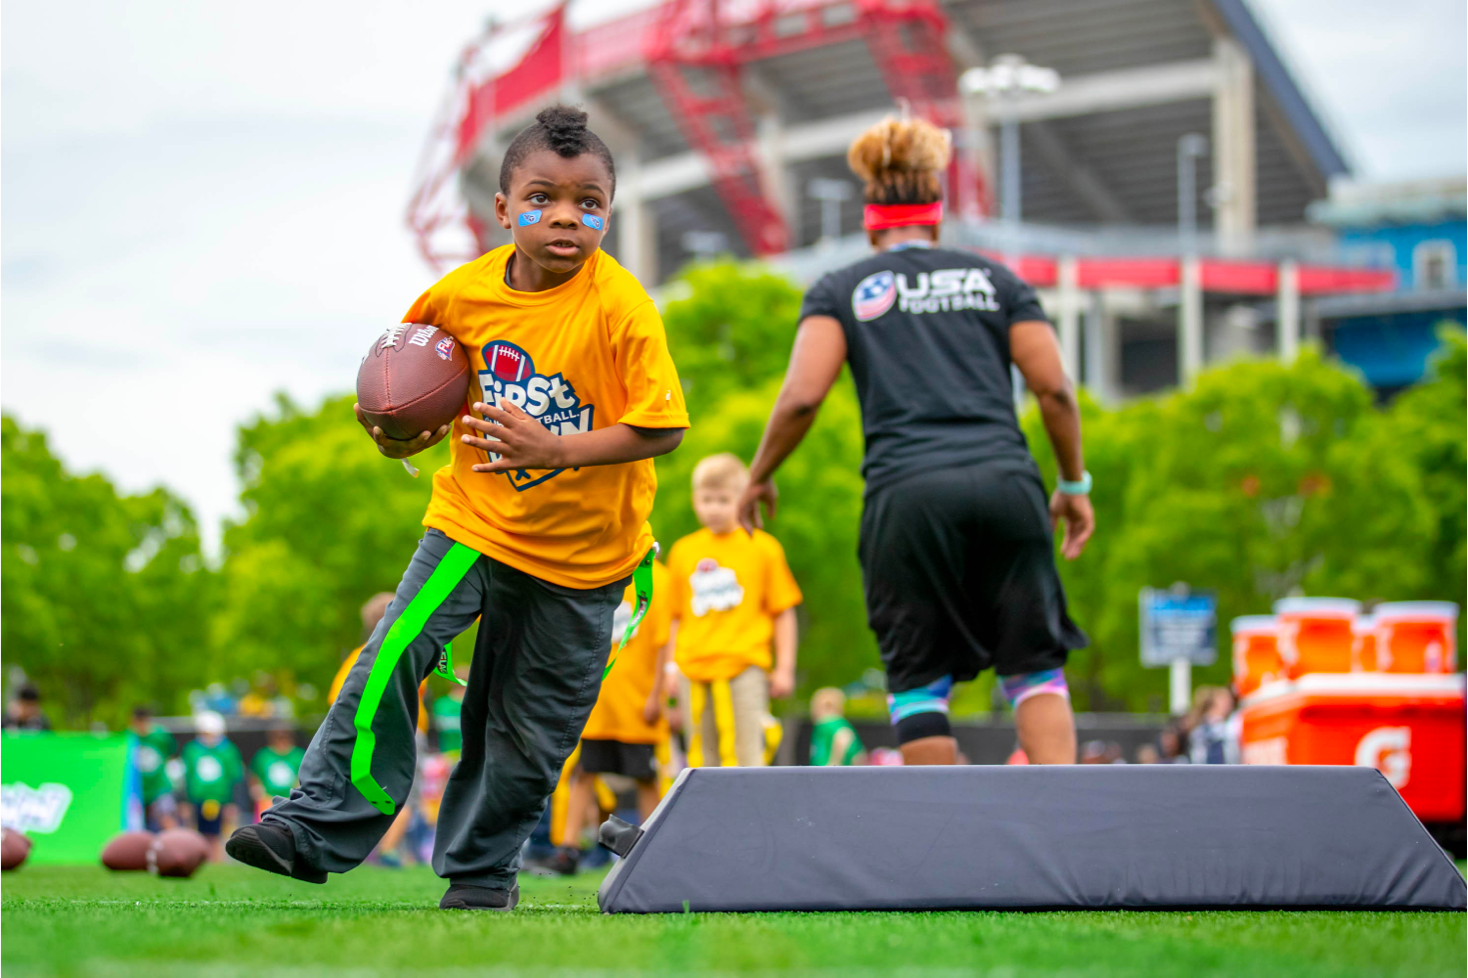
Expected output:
(734, 601)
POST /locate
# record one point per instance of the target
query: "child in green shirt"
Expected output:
(212, 767)
(274, 768)
(153, 746)
(833, 741)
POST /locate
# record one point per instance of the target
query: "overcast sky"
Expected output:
(203, 202)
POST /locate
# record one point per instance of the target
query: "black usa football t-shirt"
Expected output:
(927, 337)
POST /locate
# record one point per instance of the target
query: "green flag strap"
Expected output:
(409, 624)
(642, 589)
(445, 669)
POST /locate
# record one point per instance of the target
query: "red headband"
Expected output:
(880, 217)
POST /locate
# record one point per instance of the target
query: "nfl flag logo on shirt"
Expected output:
(873, 296)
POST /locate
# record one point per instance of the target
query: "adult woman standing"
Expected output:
(956, 542)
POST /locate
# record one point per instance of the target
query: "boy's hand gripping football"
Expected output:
(397, 448)
(519, 440)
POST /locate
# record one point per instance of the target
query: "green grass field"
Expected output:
(233, 920)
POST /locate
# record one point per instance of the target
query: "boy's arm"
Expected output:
(782, 680)
(839, 744)
(524, 443)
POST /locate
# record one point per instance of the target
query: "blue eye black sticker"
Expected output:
(591, 221)
(528, 218)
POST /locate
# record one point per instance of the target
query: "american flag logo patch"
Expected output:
(873, 296)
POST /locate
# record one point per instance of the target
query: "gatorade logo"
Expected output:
(1389, 750)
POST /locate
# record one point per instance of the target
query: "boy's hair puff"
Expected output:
(560, 128)
(721, 471)
(900, 161)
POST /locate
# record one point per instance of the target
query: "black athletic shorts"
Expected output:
(959, 570)
(635, 761)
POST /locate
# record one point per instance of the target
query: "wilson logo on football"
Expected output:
(510, 374)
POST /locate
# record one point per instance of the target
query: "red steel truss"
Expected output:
(697, 48)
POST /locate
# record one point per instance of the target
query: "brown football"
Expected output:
(14, 847)
(127, 851)
(177, 852)
(413, 379)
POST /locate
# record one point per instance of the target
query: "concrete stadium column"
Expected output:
(1103, 351)
(1190, 323)
(1287, 311)
(770, 136)
(1233, 192)
(632, 219)
(1069, 300)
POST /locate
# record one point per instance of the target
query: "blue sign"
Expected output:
(1179, 623)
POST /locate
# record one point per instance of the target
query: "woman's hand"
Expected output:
(749, 505)
(519, 440)
(395, 447)
(1079, 520)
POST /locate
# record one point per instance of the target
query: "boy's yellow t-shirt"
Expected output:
(618, 711)
(582, 356)
(729, 588)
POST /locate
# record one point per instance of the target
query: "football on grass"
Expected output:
(415, 378)
(16, 846)
(128, 851)
(177, 852)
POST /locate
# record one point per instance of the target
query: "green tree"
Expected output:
(105, 596)
(329, 523)
(1265, 480)
(1429, 423)
(730, 327)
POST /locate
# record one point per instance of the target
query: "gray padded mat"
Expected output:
(1153, 836)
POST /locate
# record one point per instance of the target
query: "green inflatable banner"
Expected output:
(69, 792)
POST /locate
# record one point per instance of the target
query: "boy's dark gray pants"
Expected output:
(536, 673)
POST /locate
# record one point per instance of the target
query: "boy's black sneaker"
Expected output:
(271, 848)
(563, 862)
(464, 896)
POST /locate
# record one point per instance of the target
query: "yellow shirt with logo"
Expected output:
(729, 588)
(583, 356)
(618, 712)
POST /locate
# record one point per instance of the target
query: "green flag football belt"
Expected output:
(409, 624)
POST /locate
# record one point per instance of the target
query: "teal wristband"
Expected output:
(1082, 487)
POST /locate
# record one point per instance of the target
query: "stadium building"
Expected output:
(1157, 195)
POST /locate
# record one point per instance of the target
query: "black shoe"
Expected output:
(271, 848)
(463, 896)
(563, 862)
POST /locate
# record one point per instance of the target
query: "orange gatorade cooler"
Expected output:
(1408, 727)
(1416, 636)
(1315, 634)
(1256, 652)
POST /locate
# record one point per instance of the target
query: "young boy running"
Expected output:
(733, 597)
(536, 525)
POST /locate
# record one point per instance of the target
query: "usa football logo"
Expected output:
(510, 374)
(444, 348)
(873, 296)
